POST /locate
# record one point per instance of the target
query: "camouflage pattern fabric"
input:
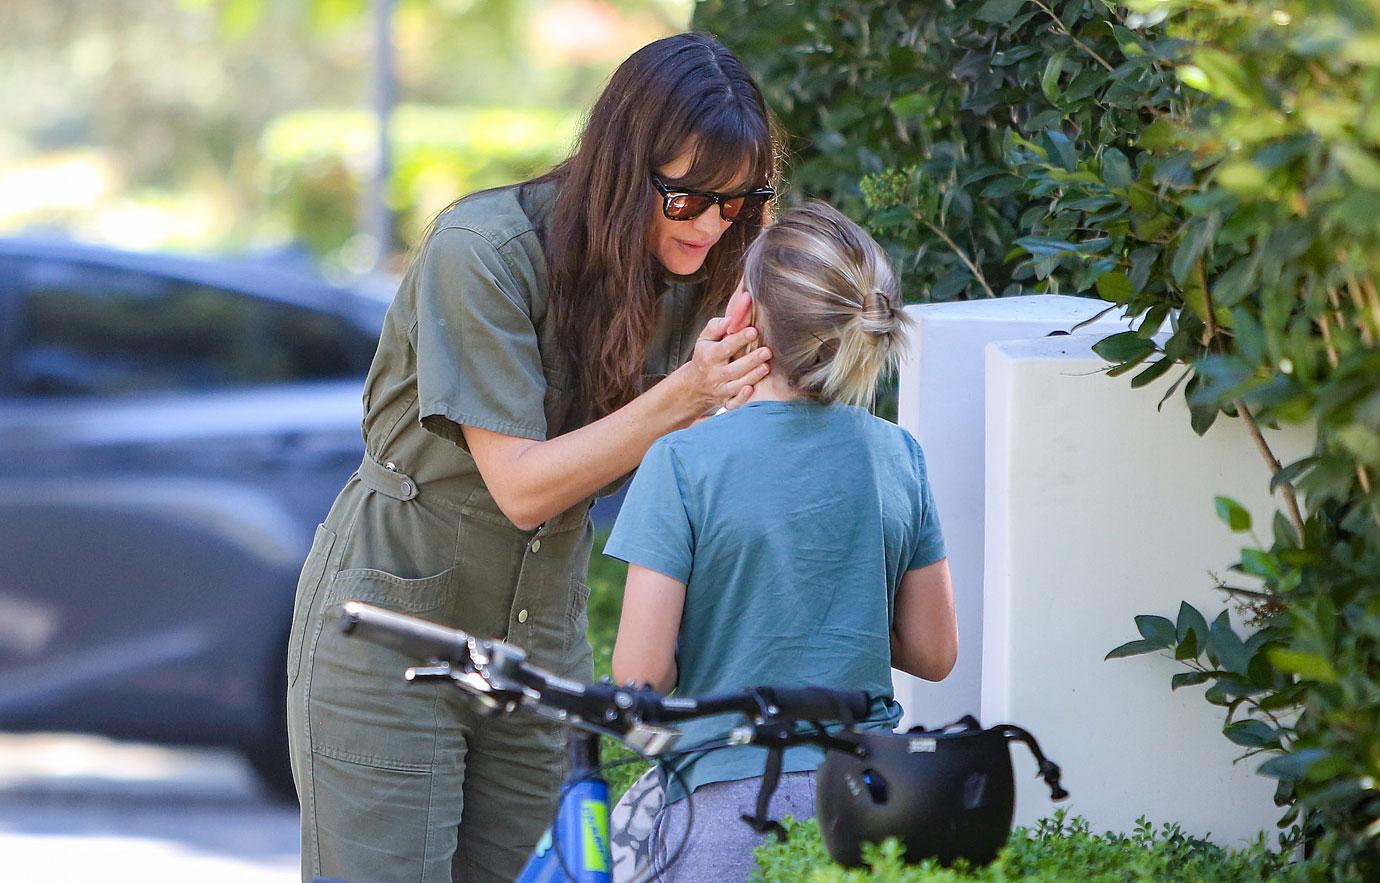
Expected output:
(632, 824)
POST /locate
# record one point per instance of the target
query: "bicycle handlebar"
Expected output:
(501, 676)
(406, 634)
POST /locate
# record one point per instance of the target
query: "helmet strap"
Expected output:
(771, 777)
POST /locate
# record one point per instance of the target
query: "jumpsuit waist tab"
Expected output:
(386, 479)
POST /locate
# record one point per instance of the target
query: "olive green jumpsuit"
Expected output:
(388, 771)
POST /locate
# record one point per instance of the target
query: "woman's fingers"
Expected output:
(714, 329)
(742, 376)
(739, 398)
(736, 341)
(749, 368)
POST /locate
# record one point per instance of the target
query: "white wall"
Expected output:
(942, 394)
(1099, 508)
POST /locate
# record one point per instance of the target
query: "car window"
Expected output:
(85, 330)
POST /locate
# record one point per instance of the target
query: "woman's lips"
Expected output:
(694, 248)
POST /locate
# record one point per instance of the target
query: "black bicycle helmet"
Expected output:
(945, 793)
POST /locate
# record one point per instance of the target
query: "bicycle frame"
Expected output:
(579, 843)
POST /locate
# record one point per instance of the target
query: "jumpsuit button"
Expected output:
(536, 545)
(522, 616)
(406, 487)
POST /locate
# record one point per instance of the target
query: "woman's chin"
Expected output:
(681, 265)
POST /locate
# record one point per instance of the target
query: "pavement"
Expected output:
(81, 808)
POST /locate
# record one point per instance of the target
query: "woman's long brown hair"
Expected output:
(681, 92)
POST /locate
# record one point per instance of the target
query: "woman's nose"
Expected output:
(712, 222)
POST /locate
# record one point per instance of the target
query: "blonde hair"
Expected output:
(829, 302)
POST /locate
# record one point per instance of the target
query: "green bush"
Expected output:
(904, 114)
(1058, 850)
(606, 578)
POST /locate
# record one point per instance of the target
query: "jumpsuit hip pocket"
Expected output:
(362, 708)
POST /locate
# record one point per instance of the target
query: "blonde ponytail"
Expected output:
(829, 302)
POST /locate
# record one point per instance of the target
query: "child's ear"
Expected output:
(739, 311)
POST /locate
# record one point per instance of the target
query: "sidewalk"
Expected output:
(76, 808)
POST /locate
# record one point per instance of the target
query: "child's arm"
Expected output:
(924, 630)
(645, 651)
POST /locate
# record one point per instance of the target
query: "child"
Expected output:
(790, 542)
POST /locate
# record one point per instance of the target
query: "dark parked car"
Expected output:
(171, 431)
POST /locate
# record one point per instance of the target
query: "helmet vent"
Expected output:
(876, 785)
(974, 790)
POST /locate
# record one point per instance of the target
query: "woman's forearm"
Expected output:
(533, 481)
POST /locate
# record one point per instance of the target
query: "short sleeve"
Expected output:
(653, 527)
(478, 363)
(929, 546)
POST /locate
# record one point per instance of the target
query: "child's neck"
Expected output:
(773, 389)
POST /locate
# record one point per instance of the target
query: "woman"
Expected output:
(545, 336)
(822, 564)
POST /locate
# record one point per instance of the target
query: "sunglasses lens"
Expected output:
(685, 206)
(747, 208)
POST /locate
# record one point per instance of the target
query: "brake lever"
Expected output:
(491, 701)
(427, 672)
(781, 732)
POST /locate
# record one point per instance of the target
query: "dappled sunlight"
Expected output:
(50, 185)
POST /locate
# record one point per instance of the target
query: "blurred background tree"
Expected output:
(233, 124)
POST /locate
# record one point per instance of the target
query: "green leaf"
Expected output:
(913, 104)
(1049, 80)
(1234, 285)
(1061, 149)
(1115, 287)
(1201, 417)
(1190, 621)
(950, 284)
(1157, 629)
(1188, 679)
(1133, 648)
(1192, 241)
(1227, 646)
(1116, 169)
(1123, 347)
(1231, 512)
(1309, 666)
(1002, 187)
(1252, 733)
(1293, 766)
(1152, 373)
(1259, 563)
(1359, 165)
(1000, 11)
(894, 216)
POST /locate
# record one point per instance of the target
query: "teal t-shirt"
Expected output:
(791, 524)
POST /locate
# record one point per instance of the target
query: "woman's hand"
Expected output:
(714, 377)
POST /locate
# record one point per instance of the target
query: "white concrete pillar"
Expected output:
(941, 396)
(1098, 508)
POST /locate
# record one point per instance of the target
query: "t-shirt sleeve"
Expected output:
(929, 546)
(478, 363)
(653, 527)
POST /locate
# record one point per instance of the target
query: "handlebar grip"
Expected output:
(407, 634)
(804, 703)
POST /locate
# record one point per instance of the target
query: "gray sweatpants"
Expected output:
(702, 837)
